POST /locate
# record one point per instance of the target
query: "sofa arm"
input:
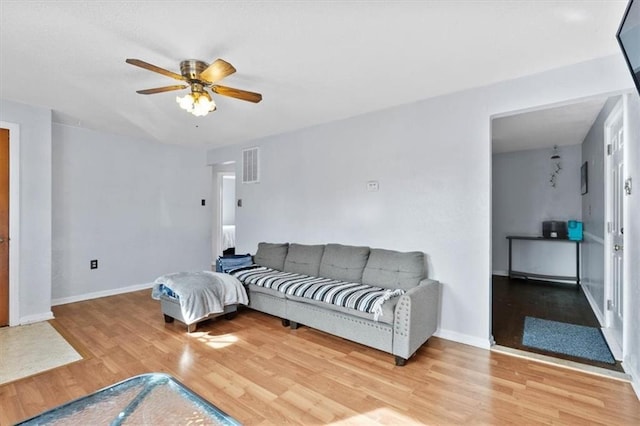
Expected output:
(415, 318)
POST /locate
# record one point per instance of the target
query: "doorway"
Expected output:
(14, 220)
(537, 178)
(4, 226)
(223, 221)
(228, 213)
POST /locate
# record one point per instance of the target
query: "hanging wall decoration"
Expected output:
(556, 167)
(584, 178)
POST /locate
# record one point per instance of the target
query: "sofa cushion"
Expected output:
(264, 290)
(344, 263)
(304, 259)
(371, 302)
(271, 255)
(261, 279)
(393, 269)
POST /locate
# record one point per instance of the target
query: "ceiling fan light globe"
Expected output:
(203, 105)
(186, 102)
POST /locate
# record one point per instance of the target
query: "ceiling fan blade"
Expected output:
(218, 70)
(237, 93)
(150, 67)
(162, 89)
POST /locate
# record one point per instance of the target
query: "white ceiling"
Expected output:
(313, 61)
(545, 128)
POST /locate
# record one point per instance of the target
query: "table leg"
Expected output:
(510, 240)
(577, 264)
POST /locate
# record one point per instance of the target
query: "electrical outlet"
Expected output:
(372, 186)
(94, 264)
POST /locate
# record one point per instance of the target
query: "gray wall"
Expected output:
(523, 198)
(133, 204)
(433, 162)
(593, 210)
(593, 152)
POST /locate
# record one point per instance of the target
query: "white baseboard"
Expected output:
(463, 338)
(29, 319)
(614, 347)
(594, 305)
(635, 377)
(98, 294)
(506, 274)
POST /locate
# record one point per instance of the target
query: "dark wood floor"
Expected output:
(514, 299)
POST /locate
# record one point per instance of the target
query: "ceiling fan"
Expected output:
(198, 76)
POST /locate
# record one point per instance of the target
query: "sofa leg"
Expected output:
(191, 328)
(400, 362)
(294, 325)
(285, 322)
(167, 318)
(230, 315)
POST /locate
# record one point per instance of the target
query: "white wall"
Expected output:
(631, 354)
(523, 198)
(132, 204)
(433, 162)
(35, 208)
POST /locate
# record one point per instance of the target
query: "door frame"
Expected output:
(14, 221)
(618, 348)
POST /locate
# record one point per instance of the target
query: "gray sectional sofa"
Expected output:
(379, 298)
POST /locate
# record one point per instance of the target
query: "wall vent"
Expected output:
(250, 164)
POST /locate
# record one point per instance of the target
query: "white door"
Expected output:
(614, 193)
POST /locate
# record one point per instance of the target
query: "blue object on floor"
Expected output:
(569, 339)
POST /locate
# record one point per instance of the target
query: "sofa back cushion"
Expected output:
(393, 269)
(271, 255)
(344, 263)
(304, 259)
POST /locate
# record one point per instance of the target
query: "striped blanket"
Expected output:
(362, 297)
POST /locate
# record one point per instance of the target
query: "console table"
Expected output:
(527, 275)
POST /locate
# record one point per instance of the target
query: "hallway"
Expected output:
(514, 299)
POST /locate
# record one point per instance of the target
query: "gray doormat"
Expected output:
(569, 339)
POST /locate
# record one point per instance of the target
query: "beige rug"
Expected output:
(30, 349)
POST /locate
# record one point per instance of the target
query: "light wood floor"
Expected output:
(262, 373)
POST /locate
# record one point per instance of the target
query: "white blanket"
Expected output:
(202, 293)
(228, 236)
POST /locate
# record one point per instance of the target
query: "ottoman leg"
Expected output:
(168, 319)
